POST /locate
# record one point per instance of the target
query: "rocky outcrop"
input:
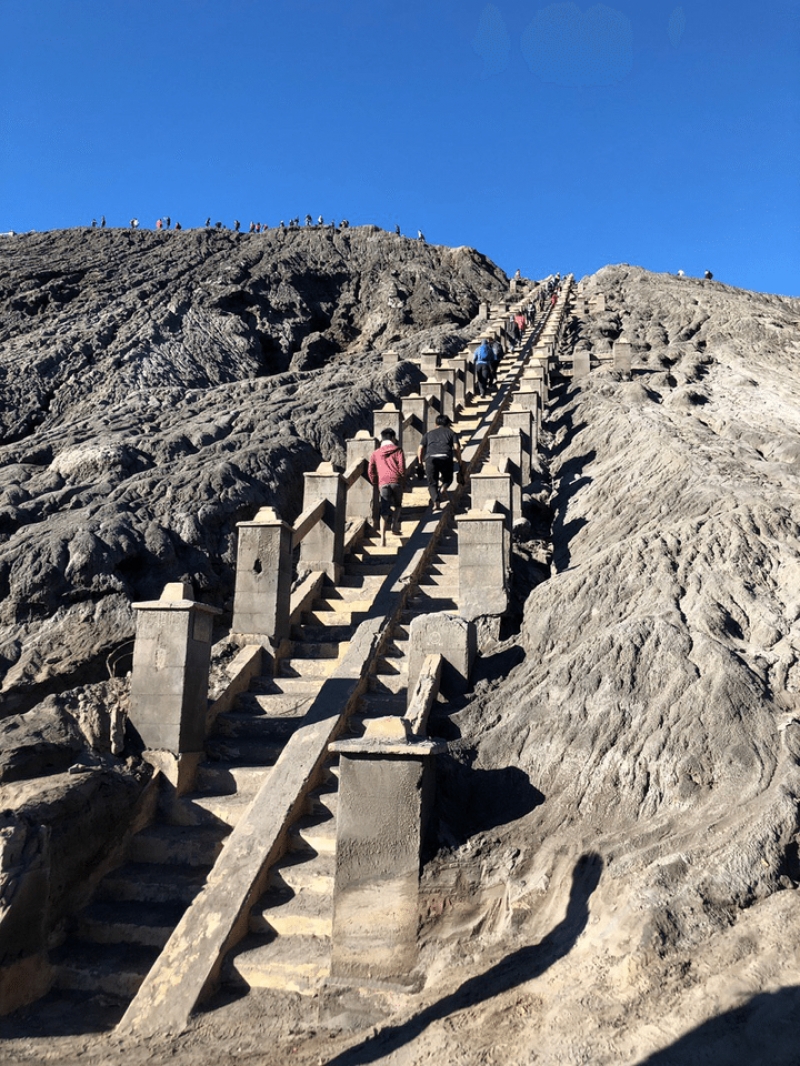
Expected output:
(156, 388)
(652, 697)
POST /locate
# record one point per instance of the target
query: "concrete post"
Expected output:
(581, 365)
(459, 365)
(171, 658)
(387, 417)
(263, 577)
(519, 418)
(433, 391)
(415, 408)
(390, 359)
(429, 361)
(385, 793)
(469, 373)
(528, 397)
(490, 485)
(448, 379)
(483, 311)
(482, 564)
(362, 495)
(535, 376)
(450, 636)
(323, 546)
(506, 448)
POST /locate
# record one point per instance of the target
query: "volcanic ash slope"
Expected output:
(157, 388)
(656, 708)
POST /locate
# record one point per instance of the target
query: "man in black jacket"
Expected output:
(439, 448)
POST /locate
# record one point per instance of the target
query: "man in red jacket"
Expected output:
(387, 470)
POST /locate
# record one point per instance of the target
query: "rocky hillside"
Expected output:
(617, 872)
(156, 388)
(645, 723)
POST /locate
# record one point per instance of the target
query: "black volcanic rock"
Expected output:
(156, 388)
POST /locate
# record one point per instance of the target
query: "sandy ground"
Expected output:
(619, 806)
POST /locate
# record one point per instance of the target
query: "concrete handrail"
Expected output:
(425, 692)
(306, 522)
(354, 472)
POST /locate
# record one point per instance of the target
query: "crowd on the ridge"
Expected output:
(165, 223)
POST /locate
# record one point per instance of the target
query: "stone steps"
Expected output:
(118, 970)
(289, 964)
(152, 883)
(288, 945)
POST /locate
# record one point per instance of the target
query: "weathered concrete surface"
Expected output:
(384, 791)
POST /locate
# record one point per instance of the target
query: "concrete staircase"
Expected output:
(114, 942)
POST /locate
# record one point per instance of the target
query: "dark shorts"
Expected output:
(391, 497)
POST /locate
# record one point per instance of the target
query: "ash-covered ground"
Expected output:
(616, 874)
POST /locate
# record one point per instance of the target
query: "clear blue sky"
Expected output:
(551, 137)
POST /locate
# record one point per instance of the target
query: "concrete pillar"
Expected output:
(459, 365)
(263, 577)
(622, 357)
(529, 398)
(171, 658)
(450, 636)
(482, 564)
(581, 365)
(387, 417)
(362, 495)
(414, 408)
(429, 361)
(390, 359)
(433, 391)
(490, 485)
(322, 549)
(520, 418)
(506, 448)
(469, 373)
(483, 311)
(385, 794)
(598, 303)
(448, 380)
(535, 376)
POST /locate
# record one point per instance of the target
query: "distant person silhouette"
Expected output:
(208, 222)
(102, 222)
(236, 225)
(708, 275)
(134, 223)
(94, 223)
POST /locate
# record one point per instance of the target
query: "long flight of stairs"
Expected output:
(115, 940)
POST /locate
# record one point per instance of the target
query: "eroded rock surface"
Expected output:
(156, 388)
(653, 695)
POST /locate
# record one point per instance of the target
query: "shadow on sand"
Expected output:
(524, 965)
(762, 1032)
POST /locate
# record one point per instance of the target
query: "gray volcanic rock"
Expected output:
(652, 697)
(156, 388)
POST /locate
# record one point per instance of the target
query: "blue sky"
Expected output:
(558, 136)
